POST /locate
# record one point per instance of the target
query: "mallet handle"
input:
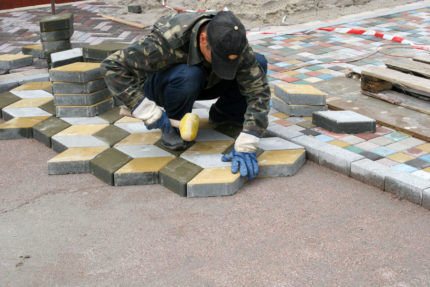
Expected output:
(127, 113)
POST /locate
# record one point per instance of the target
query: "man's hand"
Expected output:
(152, 115)
(163, 123)
(246, 162)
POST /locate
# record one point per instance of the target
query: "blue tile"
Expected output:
(395, 136)
(315, 68)
(302, 76)
(301, 82)
(282, 64)
(383, 151)
(324, 138)
(425, 157)
(405, 168)
(278, 38)
(325, 77)
(271, 72)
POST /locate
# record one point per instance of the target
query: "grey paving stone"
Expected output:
(112, 115)
(276, 143)
(10, 81)
(405, 185)
(215, 189)
(66, 57)
(34, 50)
(56, 22)
(111, 134)
(78, 72)
(10, 63)
(370, 172)
(311, 145)
(81, 99)
(45, 130)
(288, 168)
(337, 158)
(101, 51)
(136, 178)
(426, 198)
(344, 122)
(277, 130)
(206, 160)
(105, 164)
(6, 99)
(71, 167)
(78, 88)
(84, 111)
(296, 110)
(57, 35)
(53, 46)
(134, 9)
(300, 94)
(17, 133)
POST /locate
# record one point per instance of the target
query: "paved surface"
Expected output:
(328, 231)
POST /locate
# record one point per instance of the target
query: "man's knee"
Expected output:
(187, 80)
(261, 59)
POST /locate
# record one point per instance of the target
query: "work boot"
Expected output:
(172, 140)
(217, 117)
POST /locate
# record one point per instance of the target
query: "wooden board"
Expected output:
(422, 59)
(421, 85)
(408, 66)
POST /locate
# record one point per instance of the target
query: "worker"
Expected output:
(189, 57)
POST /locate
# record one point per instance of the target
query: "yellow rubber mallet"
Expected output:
(188, 125)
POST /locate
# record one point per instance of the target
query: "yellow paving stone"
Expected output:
(78, 154)
(30, 103)
(140, 165)
(34, 47)
(291, 73)
(279, 157)
(140, 139)
(10, 57)
(427, 169)
(400, 157)
(424, 147)
(210, 147)
(128, 120)
(33, 86)
(307, 118)
(280, 115)
(300, 89)
(82, 130)
(205, 124)
(91, 106)
(339, 143)
(27, 122)
(77, 67)
(215, 175)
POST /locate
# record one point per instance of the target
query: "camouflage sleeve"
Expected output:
(253, 84)
(127, 70)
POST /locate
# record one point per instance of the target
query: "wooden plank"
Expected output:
(125, 22)
(374, 85)
(408, 66)
(422, 59)
(396, 77)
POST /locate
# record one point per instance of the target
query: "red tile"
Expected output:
(367, 136)
(415, 152)
(284, 123)
(383, 131)
(313, 73)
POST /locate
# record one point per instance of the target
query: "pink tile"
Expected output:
(335, 135)
(387, 162)
(383, 131)
(415, 152)
(367, 136)
(313, 73)
(367, 146)
(284, 123)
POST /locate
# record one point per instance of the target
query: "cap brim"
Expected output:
(224, 69)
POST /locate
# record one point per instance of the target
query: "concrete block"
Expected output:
(107, 163)
(111, 116)
(77, 73)
(56, 22)
(14, 61)
(102, 51)
(57, 35)
(6, 99)
(215, 182)
(81, 99)
(86, 121)
(311, 145)
(32, 94)
(370, 172)
(205, 135)
(211, 147)
(11, 113)
(55, 46)
(142, 151)
(206, 160)
(293, 94)
(66, 57)
(85, 111)
(38, 86)
(34, 50)
(10, 81)
(426, 198)
(276, 143)
(296, 110)
(111, 135)
(337, 158)
(275, 163)
(74, 160)
(177, 174)
(277, 130)
(405, 185)
(134, 9)
(19, 127)
(344, 122)
(45, 130)
(78, 88)
(227, 129)
(141, 171)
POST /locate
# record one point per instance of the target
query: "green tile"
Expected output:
(105, 164)
(48, 128)
(111, 134)
(49, 107)
(355, 149)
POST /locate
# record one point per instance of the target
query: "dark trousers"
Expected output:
(176, 89)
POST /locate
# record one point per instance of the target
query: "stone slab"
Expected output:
(79, 72)
(112, 115)
(61, 143)
(66, 57)
(31, 94)
(85, 111)
(11, 113)
(45, 130)
(10, 81)
(405, 185)
(277, 130)
(104, 165)
(56, 22)
(293, 94)
(311, 145)
(134, 9)
(337, 158)
(57, 35)
(19, 128)
(14, 61)
(215, 182)
(111, 134)
(81, 99)
(101, 51)
(204, 135)
(344, 122)
(276, 143)
(31, 86)
(370, 172)
(296, 110)
(142, 151)
(78, 88)
(177, 174)
(34, 50)
(54, 46)
(426, 198)
(86, 121)
(6, 99)
(276, 163)
(206, 160)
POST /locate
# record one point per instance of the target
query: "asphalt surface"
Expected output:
(317, 228)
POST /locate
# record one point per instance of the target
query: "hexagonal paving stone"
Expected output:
(78, 136)
(19, 127)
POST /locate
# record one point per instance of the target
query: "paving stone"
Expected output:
(206, 160)
(344, 122)
(79, 72)
(405, 144)
(31, 94)
(131, 125)
(55, 46)
(14, 61)
(274, 163)
(337, 158)
(227, 129)
(140, 171)
(142, 151)
(111, 135)
(34, 50)
(211, 147)
(74, 160)
(211, 135)
(370, 155)
(418, 163)
(6, 99)
(19, 127)
(38, 86)
(370, 172)
(66, 57)
(11, 113)
(107, 163)
(10, 81)
(215, 182)
(57, 35)
(134, 9)
(56, 22)
(78, 136)
(148, 138)
(426, 198)
(78, 88)
(296, 110)
(283, 132)
(101, 51)
(85, 121)
(85, 111)
(276, 143)
(294, 94)
(177, 174)
(81, 99)
(405, 185)
(112, 115)
(43, 131)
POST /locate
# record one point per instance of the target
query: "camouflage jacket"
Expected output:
(174, 40)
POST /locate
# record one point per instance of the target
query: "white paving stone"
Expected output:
(31, 94)
(142, 151)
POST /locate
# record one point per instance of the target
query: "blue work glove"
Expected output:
(163, 123)
(246, 162)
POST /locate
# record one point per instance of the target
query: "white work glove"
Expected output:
(148, 111)
(246, 143)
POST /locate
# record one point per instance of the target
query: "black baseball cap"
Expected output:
(227, 37)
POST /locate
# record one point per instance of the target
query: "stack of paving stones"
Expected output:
(298, 100)
(55, 33)
(97, 53)
(79, 90)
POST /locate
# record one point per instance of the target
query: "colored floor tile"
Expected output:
(383, 151)
(405, 168)
(400, 157)
(339, 143)
(354, 149)
(324, 138)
